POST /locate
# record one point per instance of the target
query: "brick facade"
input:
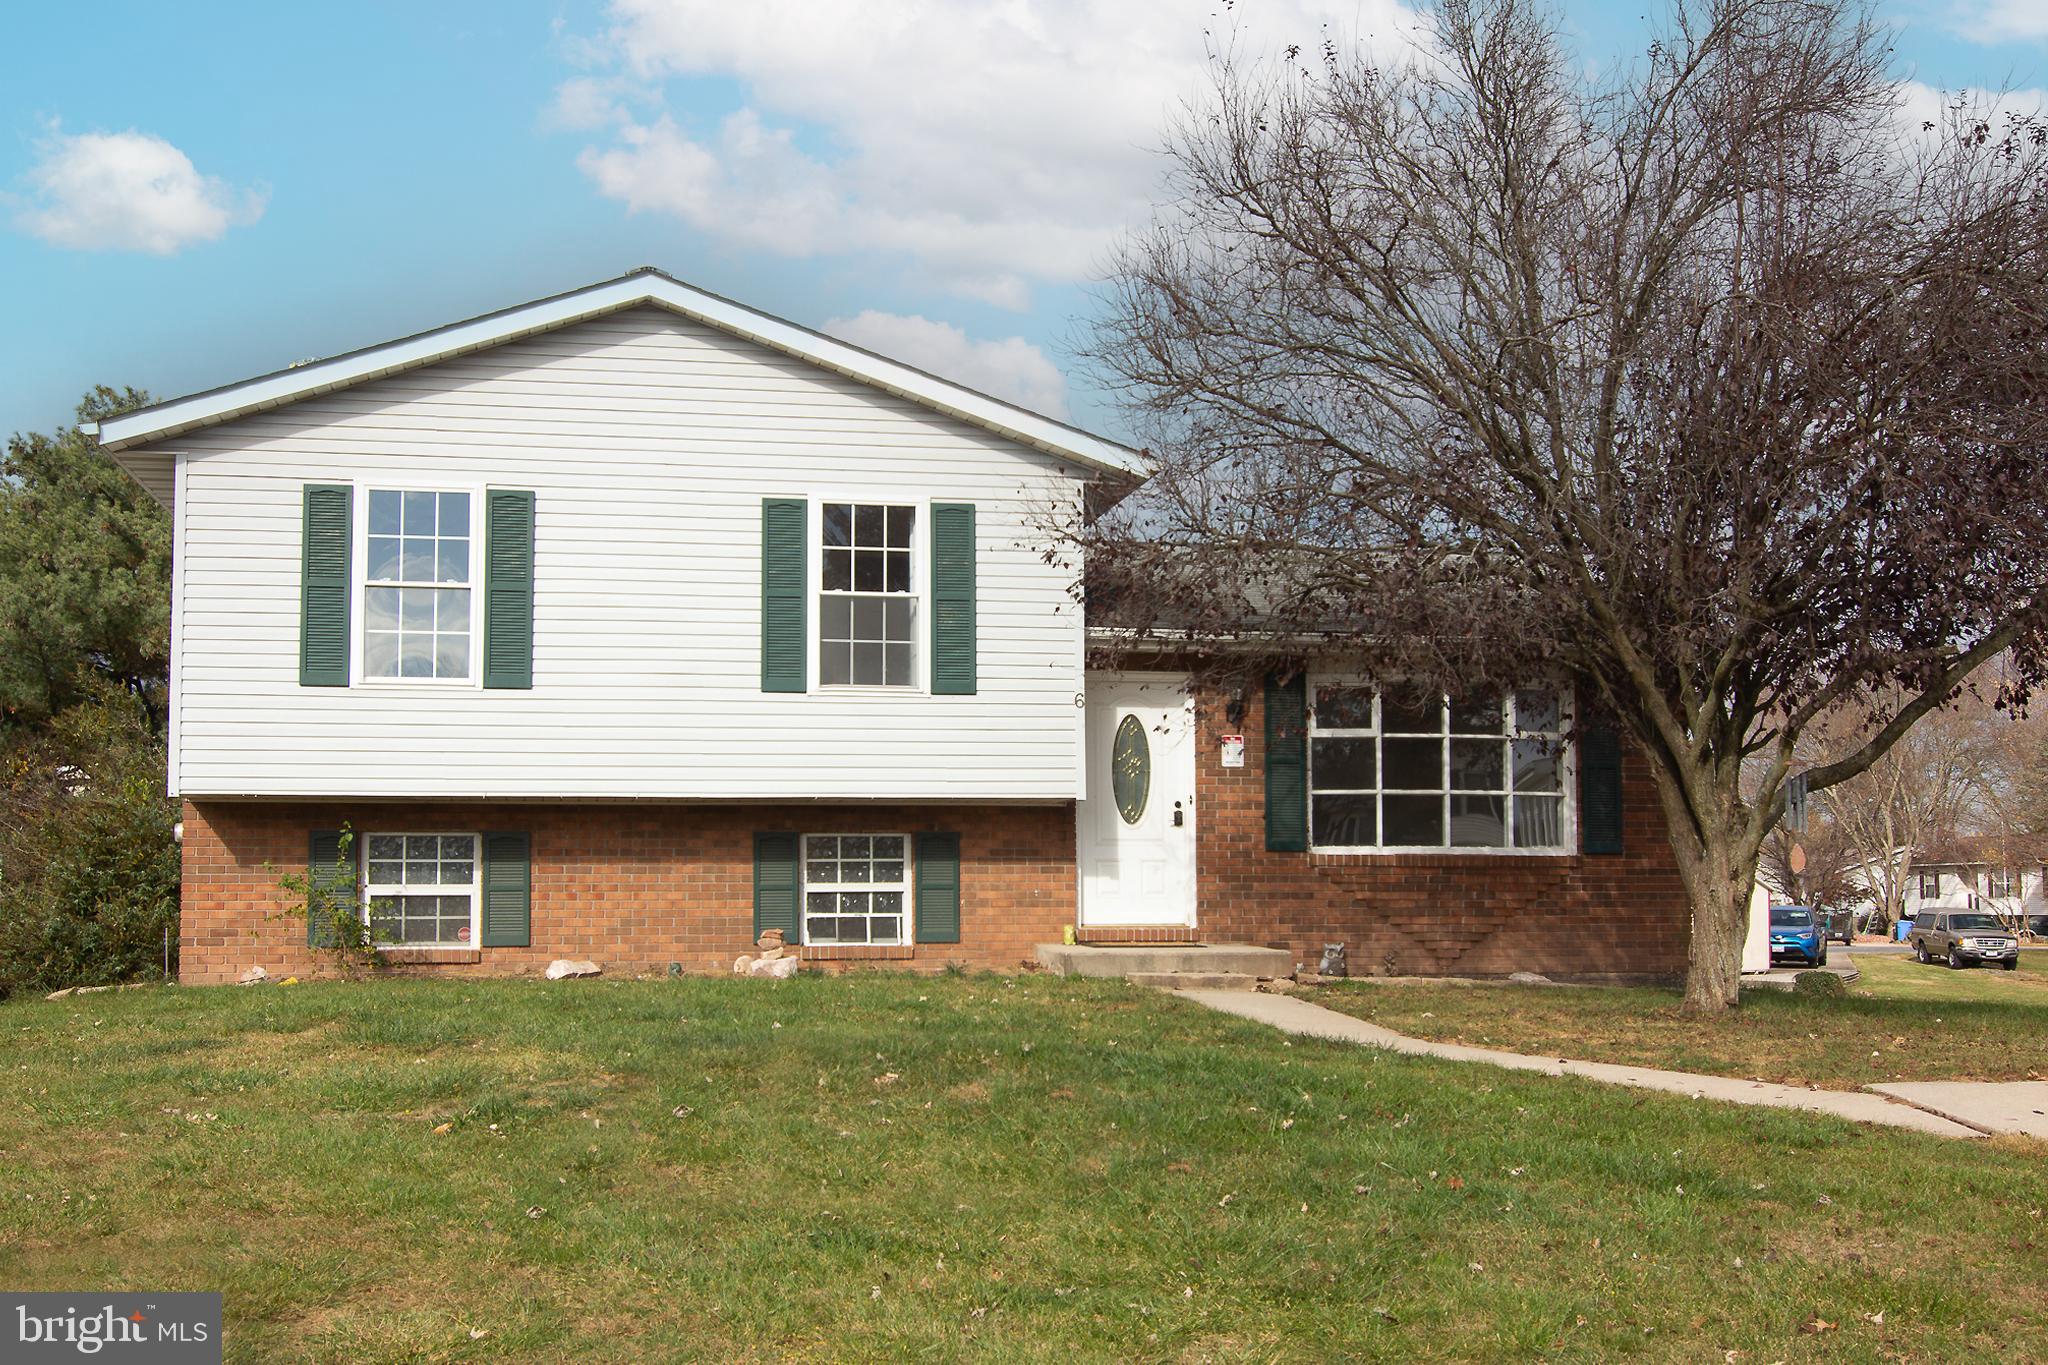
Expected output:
(637, 887)
(630, 887)
(1482, 914)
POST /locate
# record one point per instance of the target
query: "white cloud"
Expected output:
(1012, 368)
(993, 145)
(1921, 105)
(2000, 21)
(585, 103)
(128, 192)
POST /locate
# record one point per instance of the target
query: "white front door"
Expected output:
(1136, 832)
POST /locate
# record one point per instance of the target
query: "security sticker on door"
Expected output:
(1233, 751)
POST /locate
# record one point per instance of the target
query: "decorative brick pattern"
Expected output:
(1483, 914)
(1137, 933)
(630, 887)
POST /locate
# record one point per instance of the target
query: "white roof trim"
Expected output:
(629, 291)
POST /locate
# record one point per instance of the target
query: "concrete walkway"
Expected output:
(1297, 1016)
(1989, 1106)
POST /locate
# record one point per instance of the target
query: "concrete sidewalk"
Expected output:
(2019, 1107)
(1292, 1015)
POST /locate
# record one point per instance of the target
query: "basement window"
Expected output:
(856, 889)
(419, 890)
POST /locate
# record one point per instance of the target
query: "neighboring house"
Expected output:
(630, 622)
(1980, 874)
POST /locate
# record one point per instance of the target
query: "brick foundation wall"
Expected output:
(635, 888)
(632, 888)
(1432, 914)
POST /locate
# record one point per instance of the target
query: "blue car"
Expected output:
(1796, 933)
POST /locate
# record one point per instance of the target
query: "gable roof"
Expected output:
(643, 286)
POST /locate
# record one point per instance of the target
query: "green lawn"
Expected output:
(1902, 1021)
(886, 1167)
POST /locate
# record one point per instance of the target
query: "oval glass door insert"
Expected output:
(1130, 769)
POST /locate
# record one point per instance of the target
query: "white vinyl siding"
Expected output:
(649, 442)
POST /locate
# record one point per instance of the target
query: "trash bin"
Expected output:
(1903, 928)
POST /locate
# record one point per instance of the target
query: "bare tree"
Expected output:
(2016, 785)
(1829, 872)
(1707, 387)
(1915, 796)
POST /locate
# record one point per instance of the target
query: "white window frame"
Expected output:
(906, 934)
(359, 572)
(1999, 883)
(1921, 880)
(920, 595)
(365, 888)
(1568, 771)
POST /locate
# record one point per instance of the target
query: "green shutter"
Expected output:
(508, 588)
(775, 886)
(1287, 764)
(783, 549)
(329, 869)
(508, 891)
(324, 586)
(1600, 790)
(953, 624)
(938, 888)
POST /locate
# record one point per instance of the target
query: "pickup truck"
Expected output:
(1961, 937)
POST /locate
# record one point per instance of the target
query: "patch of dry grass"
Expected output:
(1902, 1021)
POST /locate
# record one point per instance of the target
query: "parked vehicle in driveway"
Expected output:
(1961, 937)
(1796, 934)
(1839, 926)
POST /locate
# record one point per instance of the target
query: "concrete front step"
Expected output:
(1237, 959)
(1194, 981)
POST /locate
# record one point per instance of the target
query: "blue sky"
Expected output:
(190, 195)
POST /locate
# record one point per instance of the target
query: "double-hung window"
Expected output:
(867, 599)
(420, 890)
(1998, 882)
(1930, 886)
(418, 567)
(856, 889)
(1407, 769)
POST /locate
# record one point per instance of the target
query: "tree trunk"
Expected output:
(1716, 860)
(1720, 925)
